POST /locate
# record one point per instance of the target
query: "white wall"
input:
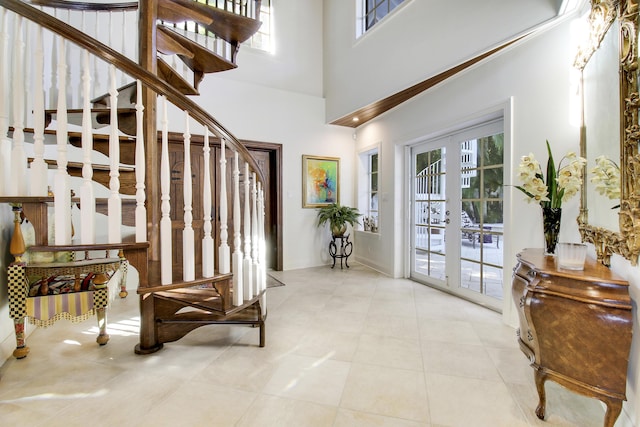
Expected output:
(297, 122)
(421, 39)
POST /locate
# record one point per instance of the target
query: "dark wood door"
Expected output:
(266, 162)
(176, 163)
(268, 157)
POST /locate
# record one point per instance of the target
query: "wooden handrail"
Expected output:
(79, 5)
(134, 70)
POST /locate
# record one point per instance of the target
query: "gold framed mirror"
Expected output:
(613, 38)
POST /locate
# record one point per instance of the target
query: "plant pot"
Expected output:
(338, 230)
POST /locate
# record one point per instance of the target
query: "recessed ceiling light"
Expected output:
(355, 119)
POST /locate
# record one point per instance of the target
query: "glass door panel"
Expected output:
(429, 214)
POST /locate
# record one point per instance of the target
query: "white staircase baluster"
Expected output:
(237, 239)
(114, 203)
(141, 211)
(5, 144)
(247, 270)
(123, 44)
(207, 241)
(165, 184)
(254, 235)
(62, 190)
(262, 244)
(18, 181)
(38, 167)
(96, 67)
(188, 240)
(224, 252)
(70, 87)
(87, 197)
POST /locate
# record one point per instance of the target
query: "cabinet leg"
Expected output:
(540, 378)
(21, 350)
(103, 337)
(614, 407)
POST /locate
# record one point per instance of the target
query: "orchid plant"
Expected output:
(558, 186)
(606, 177)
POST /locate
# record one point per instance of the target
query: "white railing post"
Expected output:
(247, 270)
(224, 252)
(114, 204)
(38, 166)
(237, 239)
(188, 240)
(62, 192)
(18, 156)
(208, 261)
(262, 244)
(87, 197)
(254, 235)
(5, 144)
(165, 220)
(141, 211)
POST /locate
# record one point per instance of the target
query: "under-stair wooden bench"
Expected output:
(73, 289)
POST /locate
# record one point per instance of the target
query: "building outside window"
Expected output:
(369, 178)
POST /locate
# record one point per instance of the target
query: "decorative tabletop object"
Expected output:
(558, 186)
(606, 177)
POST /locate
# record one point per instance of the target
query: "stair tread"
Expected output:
(100, 117)
(229, 26)
(126, 97)
(78, 165)
(202, 59)
(171, 76)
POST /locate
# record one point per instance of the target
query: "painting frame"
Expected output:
(320, 181)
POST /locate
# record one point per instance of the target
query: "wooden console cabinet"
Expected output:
(575, 328)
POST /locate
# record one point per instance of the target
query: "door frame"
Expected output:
(463, 129)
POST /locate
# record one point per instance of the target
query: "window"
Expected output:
(262, 40)
(369, 178)
(373, 11)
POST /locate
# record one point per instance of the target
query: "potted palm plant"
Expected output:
(338, 216)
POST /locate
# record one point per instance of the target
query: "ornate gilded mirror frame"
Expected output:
(626, 242)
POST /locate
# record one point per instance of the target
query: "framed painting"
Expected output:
(320, 181)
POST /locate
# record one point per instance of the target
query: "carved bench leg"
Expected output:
(540, 378)
(614, 407)
(21, 350)
(124, 267)
(103, 337)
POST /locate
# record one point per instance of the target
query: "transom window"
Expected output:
(373, 11)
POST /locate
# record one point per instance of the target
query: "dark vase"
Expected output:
(551, 225)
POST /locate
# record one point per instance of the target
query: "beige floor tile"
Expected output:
(462, 360)
(564, 408)
(347, 418)
(460, 402)
(451, 331)
(391, 392)
(317, 380)
(389, 351)
(274, 411)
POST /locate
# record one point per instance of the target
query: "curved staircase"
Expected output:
(231, 288)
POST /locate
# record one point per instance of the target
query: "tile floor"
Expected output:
(344, 348)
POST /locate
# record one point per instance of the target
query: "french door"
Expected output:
(456, 227)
